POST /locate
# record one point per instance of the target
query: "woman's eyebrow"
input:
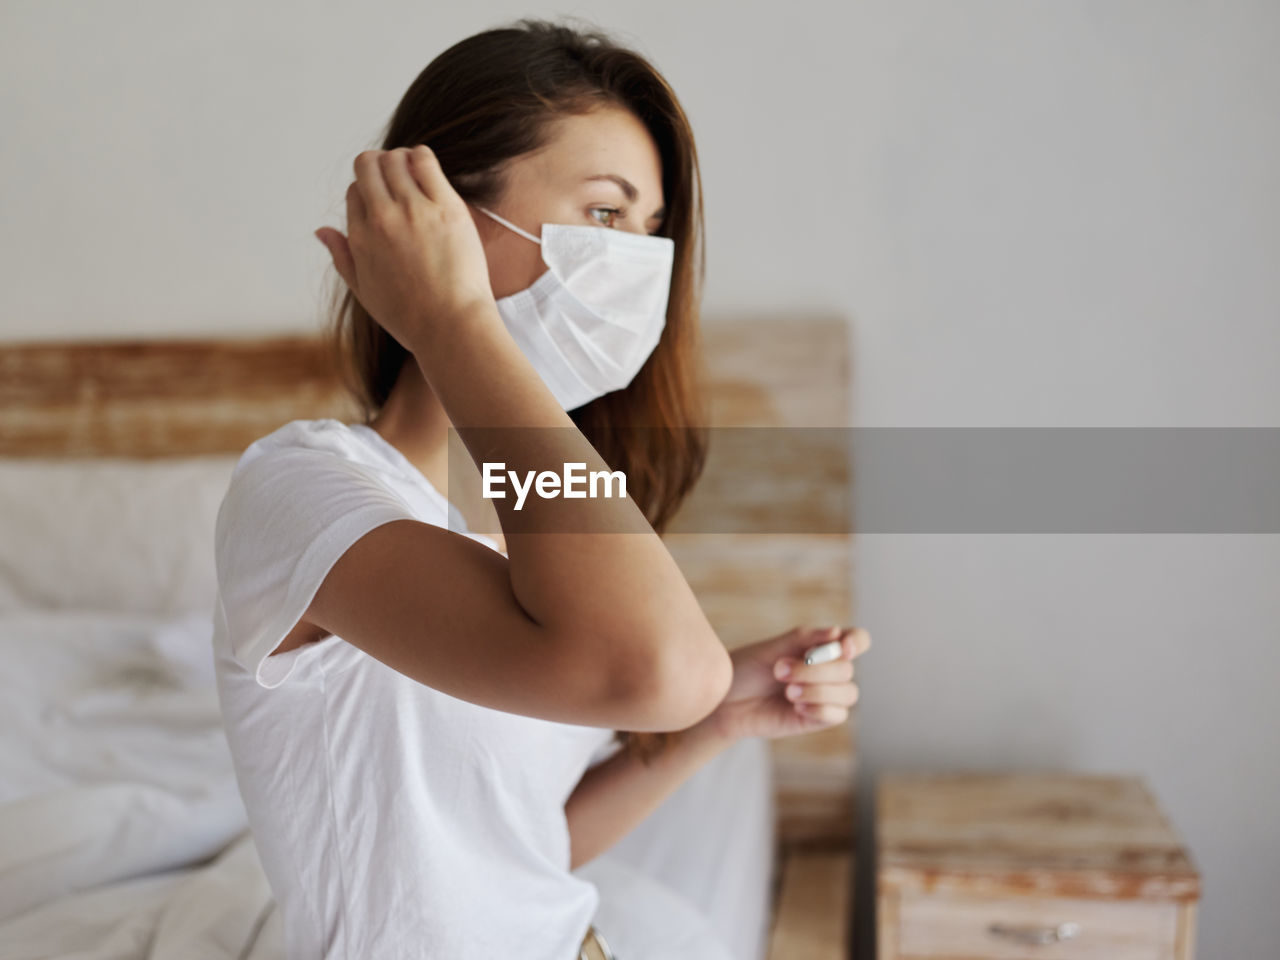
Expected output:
(628, 188)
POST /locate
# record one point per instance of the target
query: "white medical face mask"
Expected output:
(591, 320)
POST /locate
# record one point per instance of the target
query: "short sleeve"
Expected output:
(287, 516)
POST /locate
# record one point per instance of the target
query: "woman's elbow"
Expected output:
(678, 687)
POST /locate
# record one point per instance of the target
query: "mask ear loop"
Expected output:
(509, 225)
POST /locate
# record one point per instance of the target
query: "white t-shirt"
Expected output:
(392, 820)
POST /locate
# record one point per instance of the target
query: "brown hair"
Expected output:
(490, 98)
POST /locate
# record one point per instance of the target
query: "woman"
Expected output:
(413, 706)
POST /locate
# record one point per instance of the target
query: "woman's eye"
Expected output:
(613, 211)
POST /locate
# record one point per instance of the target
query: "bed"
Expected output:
(122, 834)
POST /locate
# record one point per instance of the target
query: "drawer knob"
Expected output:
(1063, 931)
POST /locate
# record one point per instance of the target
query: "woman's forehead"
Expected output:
(606, 143)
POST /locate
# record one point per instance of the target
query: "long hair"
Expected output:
(492, 97)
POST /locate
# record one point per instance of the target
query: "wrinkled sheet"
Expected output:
(123, 836)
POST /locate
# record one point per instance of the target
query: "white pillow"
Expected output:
(113, 534)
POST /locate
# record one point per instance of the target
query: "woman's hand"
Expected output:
(774, 693)
(414, 258)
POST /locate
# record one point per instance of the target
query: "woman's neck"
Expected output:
(414, 422)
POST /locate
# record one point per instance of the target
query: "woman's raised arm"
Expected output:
(589, 618)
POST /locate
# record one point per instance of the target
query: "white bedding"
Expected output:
(122, 834)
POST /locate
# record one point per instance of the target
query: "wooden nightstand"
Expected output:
(1008, 866)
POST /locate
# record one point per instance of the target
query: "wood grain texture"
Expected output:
(961, 926)
(160, 398)
(1068, 834)
(887, 925)
(1184, 946)
(960, 851)
(812, 921)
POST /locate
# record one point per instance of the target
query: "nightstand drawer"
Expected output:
(947, 925)
(975, 865)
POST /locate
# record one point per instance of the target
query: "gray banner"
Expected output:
(944, 479)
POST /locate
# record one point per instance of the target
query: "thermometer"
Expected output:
(824, 652)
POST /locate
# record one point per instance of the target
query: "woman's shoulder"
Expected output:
(321, 464)
(323, 435)
(304, 477)
(313, 459)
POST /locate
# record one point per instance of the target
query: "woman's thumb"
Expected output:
(336, 244)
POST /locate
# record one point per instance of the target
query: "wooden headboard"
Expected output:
(166, 398)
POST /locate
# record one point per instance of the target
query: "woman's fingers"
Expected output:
(851, 641)
(836, 694)
(822, 692)
(824, 713)
(797, 670)
(395, 170)
(856, 640)
(356, 210)
(338, 248)
(426, 169)
(369, 182)
(821, 646)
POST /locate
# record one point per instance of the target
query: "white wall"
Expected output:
(1069, 215)
(1032, 214)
